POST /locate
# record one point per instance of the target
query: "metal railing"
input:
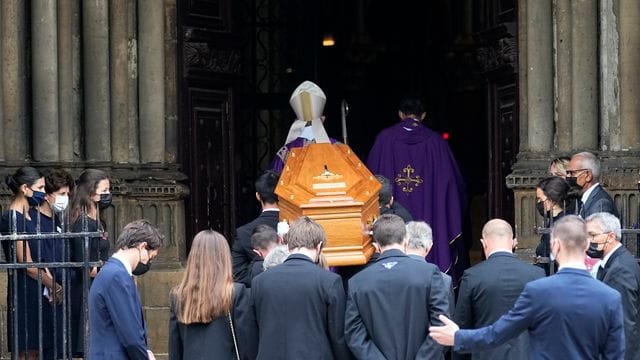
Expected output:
(55, 312)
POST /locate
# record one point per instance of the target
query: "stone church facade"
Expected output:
(110, 85)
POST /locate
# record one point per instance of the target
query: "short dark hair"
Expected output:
(305, 233)
(25, 175)
(386, 191)
(263, 236)
(389, 229)
(412, 106)
(54, 179)
(137, 232)
(266, 187)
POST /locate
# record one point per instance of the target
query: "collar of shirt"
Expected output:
(586, 194)
(124, 262)
(270, 209)
(577, 265)
(605, 259)
(499, 251)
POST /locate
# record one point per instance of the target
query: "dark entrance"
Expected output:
(241, 59)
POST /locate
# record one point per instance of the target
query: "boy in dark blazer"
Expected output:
(116, 325)
(299, 306)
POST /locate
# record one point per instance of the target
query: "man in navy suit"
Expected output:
(392, 302)
(116, 324)
(242, 254)
(569, 315)
(584, 171)
(299, 306)
(620, 270)
(489, 289)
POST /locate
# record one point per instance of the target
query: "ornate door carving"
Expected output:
(209, 70)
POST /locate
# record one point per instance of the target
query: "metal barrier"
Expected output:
(66, 273)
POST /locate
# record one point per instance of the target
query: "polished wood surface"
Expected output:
(328, 183)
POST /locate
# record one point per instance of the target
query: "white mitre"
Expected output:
(308, 102)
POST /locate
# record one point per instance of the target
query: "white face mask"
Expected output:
(61, 203)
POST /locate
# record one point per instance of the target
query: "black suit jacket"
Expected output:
(242, 253)
(300, 312)
(622, 273)
(214, 340)
(391, 305)
(598, 201)
(488, 290)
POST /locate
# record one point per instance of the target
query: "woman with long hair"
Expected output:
(211, 316)
(92, 194)
(27, 185)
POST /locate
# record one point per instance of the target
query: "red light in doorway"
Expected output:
(445, 135)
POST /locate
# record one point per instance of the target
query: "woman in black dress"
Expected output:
(92, 194)
(24, 296)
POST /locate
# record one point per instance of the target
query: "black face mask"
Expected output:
(540, 208)
(142, 268)
(105, 201)
(572, 181)
(593, 251)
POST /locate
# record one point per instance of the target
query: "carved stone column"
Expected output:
(44, 45)
(69, 84)
(124, 78)
(95, 40)
(151, 80)
(629, 18)
(537, 63)
(13, 79)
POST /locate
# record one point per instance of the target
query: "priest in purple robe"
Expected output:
(426, 180)
(308, 102)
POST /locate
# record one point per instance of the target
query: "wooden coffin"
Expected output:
(328, 183)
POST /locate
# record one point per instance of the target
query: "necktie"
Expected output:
(600, 274)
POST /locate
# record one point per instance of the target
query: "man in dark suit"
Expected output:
(263, 240)
(489, 289)
(419, 243)
(387, 203)
(619, 270)
(584, 171)
(569, 315)
(392, 302)
(242, 253)
(299, 306)
(116, 325)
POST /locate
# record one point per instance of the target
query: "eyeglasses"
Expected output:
(593, 235)
(574, 173)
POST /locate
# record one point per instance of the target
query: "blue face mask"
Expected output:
(36, 199)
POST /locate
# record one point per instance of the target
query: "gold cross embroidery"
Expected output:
(407, 182)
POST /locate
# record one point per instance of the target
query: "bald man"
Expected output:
(489, 289)
(569, 315)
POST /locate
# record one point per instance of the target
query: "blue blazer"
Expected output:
(598, 201)
(569, 315)
(116, 326)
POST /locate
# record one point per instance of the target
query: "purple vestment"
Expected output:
(425, 180)
(277, 164)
